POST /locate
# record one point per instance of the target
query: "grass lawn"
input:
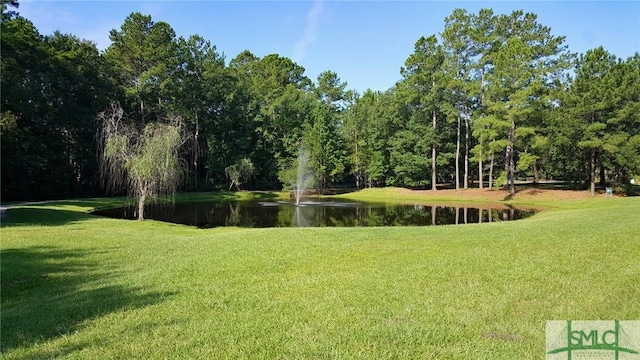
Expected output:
(82, 287)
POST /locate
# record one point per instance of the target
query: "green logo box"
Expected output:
(593, 339)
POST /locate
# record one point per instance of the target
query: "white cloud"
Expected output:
(155, 9)
(46, 16)
(310, 32)
(50, 16)
(99, 35)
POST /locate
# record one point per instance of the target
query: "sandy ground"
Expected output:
(500, 195)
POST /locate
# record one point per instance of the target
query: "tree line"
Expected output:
(490, 98)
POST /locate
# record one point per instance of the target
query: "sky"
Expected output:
(364, 42)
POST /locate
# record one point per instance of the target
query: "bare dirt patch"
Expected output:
(501, 195)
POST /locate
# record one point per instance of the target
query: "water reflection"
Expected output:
(315, 213)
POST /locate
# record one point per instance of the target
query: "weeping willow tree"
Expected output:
(145, 162)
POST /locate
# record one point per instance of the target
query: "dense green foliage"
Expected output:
(491, 97)
(79, 286)
(52, 89)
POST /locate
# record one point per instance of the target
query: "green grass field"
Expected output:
(81, 287)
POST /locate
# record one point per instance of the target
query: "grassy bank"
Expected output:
(79, 286)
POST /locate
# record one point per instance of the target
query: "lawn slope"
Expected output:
(78, 286)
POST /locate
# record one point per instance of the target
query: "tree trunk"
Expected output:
(357, 164)
(491, 173)
(536, 175)
(480, 175)
(141, 200)
(480, 169)
(509, 161)
(434, 178)
(603, 179)
(458, 155)
(593, 173)
(197, 154)
(466, 152)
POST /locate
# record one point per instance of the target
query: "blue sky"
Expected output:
(365, 42)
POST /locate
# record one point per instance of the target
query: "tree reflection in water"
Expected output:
(318, 213)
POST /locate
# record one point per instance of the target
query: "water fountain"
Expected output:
(304, 176)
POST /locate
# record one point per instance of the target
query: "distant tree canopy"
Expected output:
(492, 97)
(52, 89)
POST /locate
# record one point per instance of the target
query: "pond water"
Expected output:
(336, 213)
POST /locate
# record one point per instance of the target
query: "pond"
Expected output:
(328, 212)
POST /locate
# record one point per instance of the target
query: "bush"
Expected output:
(501, 180)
